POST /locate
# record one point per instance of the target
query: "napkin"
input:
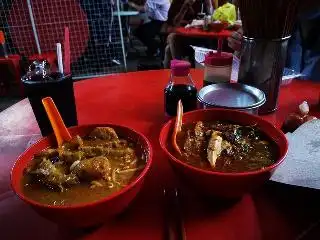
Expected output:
(195, 23)
(302, 164)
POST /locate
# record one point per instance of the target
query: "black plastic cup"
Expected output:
(60, 88)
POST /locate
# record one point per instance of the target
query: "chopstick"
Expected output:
(307, 233)
(180, 223)
(174, 225)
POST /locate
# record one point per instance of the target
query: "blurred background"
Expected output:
(101, 38)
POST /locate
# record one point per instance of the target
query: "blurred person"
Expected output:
(180, 13)
(304, 46)
(157, 12)
(303, 53)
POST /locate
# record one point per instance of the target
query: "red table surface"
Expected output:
(199, 33)
(275, 211)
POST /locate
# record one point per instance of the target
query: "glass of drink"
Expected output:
(40, 82)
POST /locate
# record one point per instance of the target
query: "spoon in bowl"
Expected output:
(177, 127)
(59, 128)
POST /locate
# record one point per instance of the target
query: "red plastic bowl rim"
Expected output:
(88, 204)
(228, 174)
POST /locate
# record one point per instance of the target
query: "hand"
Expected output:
(235, 40)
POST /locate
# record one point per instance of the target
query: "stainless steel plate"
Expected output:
(231, 95)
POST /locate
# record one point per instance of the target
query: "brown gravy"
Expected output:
(250, 149)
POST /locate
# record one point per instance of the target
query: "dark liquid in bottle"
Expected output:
(173, 93)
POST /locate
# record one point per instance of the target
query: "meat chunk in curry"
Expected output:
(101, 162)
(95, 168)
(53, 175)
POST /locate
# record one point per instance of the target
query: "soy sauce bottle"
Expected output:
(180, 86)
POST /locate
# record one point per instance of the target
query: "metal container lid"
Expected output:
(231, 95)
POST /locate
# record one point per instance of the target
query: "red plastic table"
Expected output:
(275, 211)
(199, 33)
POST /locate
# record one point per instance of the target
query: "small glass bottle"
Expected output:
(206, 23)
(180, 86)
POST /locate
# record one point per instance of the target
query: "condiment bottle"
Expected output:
(180, 86)
(217, 67)
(206, 23)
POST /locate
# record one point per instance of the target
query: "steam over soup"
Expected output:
(83, 170)
(225, 147)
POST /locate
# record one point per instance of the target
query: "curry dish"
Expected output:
(83, 170)
(225, 147)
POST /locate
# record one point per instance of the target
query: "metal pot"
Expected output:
(231, 96)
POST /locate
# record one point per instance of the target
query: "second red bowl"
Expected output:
(226, 185)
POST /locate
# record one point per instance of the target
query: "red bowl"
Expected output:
(225, 185)
(217, 26)
(84, 214)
